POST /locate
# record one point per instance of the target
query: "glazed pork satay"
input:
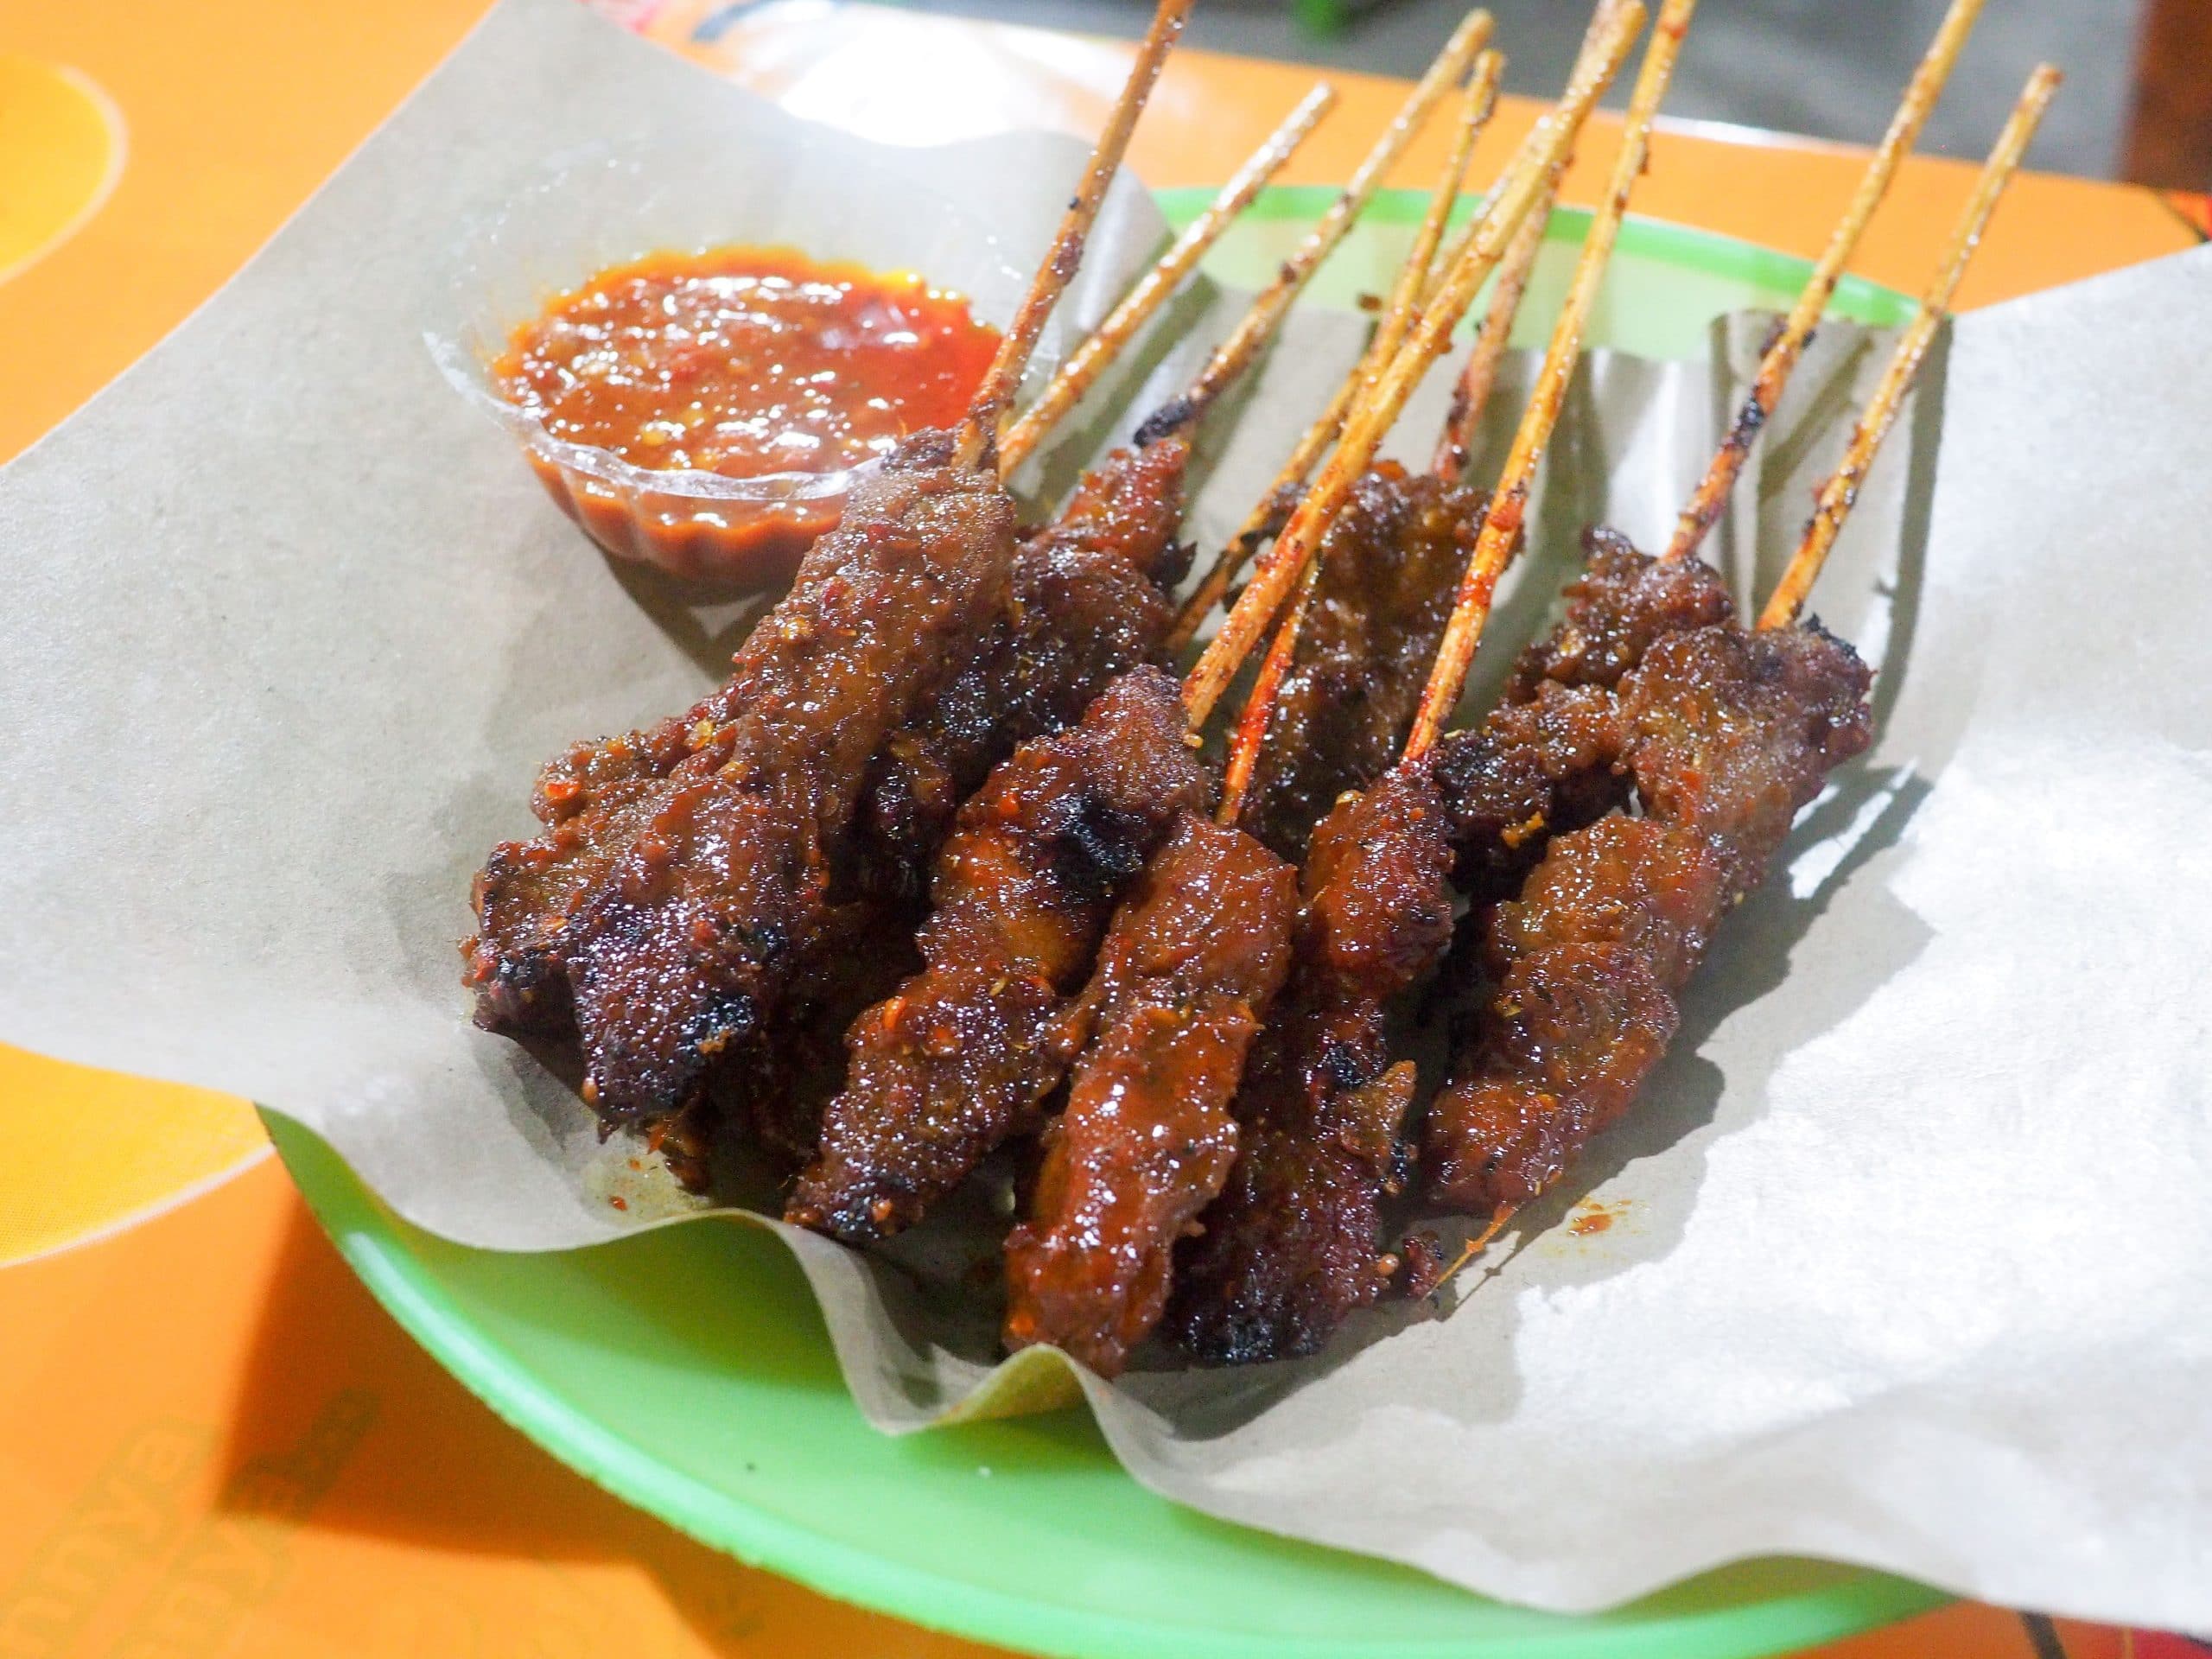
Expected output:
(1193, 959)
(962, 1052)
(1500, 525)
(1336, 705)
(1104, 565)
(1195, 956)
(1190, 970)
(1295, 1242)
(1731, 733)
(1541, 762)
(918, 1110)
(1091, 589)
(1340, 678)
(684, 948)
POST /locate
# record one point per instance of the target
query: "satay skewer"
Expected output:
(1003, 378)
(1312, 445)
(685, 949)
(1502, 526)
(1018, 901)
(1397, 320)
(1151, 290)
(1186, 974)
(1710, 498)
(1485, 244)
(1841, 491)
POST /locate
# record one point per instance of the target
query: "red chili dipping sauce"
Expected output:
(745, 362)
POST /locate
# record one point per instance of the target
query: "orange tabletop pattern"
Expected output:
(211, 1439)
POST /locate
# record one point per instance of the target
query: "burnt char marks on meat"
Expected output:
(686, 945)
(594, 800)
(962, 1055)
(1091, 599)
(1295, 1243)
(1730, 733)
(1186, 973)
(1291, 1247)
(1529, 771)
(1390, 563)
(1624, 602)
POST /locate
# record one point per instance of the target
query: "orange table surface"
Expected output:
(210, 1437)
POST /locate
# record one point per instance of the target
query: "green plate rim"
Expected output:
(375, 1244)
(1855, 297)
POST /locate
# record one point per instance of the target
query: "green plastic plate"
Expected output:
(687, 1371)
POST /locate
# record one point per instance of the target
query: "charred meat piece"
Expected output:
(1186, 974)
(1291, 1246)
(684, 948)
(1389, 566)
(1529, 771)
(1730, 733)
(1624, 602)
(1295, 1242)
(1092, 598)
(961, 1056)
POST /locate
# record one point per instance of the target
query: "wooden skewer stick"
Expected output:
(1509, 203)
(1478, 377)
(1454, 448)
(1399, 312)
(1840, 493)
(1296, 469)
(1143, 302)
(1502, 524)
(1000, 381)
(1476, 1246)
(1470, 35)
(1236, 352)
(1711, 499)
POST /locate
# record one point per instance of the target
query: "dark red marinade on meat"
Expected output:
(1295, 1243)
(1728, 734)
(965, 1051)
(1186, 974)
(1390, 563)
(1088, 599)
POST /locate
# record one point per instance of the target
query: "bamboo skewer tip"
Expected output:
(979, 429)
(1779, 361)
